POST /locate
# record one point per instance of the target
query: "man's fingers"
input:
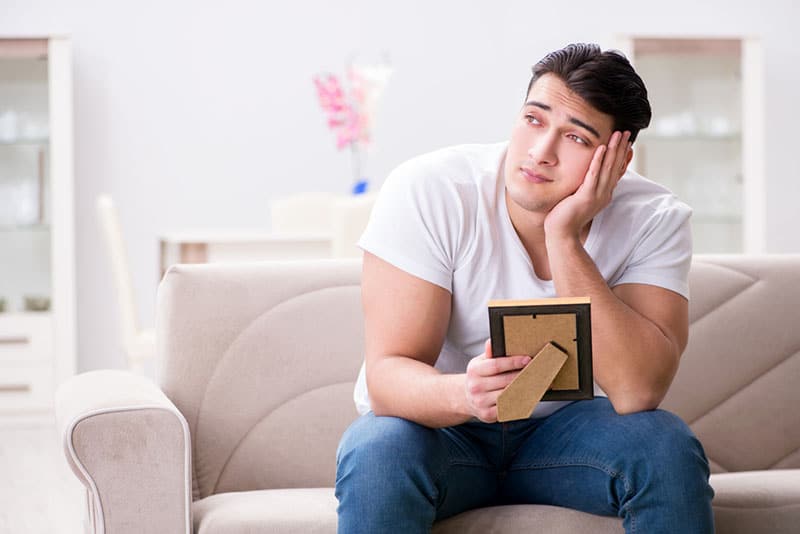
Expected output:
(613, 164)
(611, 157)
(495, 383)
(496, 366)
(622, 153)
(591, 180)
(623, 158)
(487, 377)
(488, 415)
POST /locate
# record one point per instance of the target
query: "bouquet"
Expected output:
(350, 110)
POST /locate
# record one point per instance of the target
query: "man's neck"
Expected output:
(529, 226)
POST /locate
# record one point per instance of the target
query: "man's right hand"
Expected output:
(487, 377)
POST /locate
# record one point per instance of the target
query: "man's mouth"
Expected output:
(534, 177)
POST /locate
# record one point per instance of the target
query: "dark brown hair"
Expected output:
(605, 80)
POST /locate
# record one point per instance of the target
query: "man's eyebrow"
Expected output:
(582, 124)
(538, 105)
(573, 120)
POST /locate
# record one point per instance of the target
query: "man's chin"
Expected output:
(532, 205)
(536, 209)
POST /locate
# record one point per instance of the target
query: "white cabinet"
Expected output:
(705, 141)
(37, 261)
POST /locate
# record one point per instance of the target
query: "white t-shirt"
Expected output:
(442, 217)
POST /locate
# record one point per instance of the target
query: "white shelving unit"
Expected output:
(37, 260)
(705, 141)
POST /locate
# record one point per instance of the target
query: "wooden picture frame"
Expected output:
(527, 326)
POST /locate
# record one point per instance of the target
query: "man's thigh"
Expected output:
(388, 459)
(588, 457)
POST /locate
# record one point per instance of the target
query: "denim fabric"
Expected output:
(647, 468)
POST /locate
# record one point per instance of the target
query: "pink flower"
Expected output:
(350, 113)
(344, 115)
(329, 91)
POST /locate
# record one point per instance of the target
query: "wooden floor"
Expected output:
(38, 492)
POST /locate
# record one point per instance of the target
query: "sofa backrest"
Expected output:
(738, 385)
(261, 359)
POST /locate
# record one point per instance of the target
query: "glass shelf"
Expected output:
(689, 138)
(39, 141)
(37, 211)
(26, 202)
(36, 227)
(695, 142)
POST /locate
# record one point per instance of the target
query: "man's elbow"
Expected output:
(380, 408)
(643, 393)
(629, 403)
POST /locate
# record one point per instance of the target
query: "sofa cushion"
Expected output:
(757, 501)
(311, 511)
(528, 518)
(285, 511)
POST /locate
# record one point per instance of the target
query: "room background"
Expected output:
(196, 114)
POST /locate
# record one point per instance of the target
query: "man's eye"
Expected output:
(578, 139)
(532, 120)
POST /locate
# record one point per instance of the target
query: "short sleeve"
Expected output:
(663, 253)
(416, 223)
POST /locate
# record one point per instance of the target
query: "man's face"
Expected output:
(552, 143)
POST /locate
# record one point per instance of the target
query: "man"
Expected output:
(553, 212)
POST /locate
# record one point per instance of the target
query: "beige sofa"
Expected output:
(256, 371)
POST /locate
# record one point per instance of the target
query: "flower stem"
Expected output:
(356, 159)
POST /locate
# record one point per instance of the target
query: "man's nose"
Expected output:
(543, 150)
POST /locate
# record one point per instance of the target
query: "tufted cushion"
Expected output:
(733, 386)
(263, 373)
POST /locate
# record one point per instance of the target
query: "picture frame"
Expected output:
(526, 326)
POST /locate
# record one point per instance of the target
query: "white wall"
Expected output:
(195, 114)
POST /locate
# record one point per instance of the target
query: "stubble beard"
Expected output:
(515, 192)
(533, 205)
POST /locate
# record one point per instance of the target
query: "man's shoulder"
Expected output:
(637, 197)
(455, 164)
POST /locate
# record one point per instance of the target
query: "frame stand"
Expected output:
(521, 396)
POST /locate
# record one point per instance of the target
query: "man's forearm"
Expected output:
(407, 388)
(633, 360)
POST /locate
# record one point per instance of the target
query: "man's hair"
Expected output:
(606, 80)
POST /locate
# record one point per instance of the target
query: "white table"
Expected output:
(206, 246)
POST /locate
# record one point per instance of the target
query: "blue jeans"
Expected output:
(647, 468)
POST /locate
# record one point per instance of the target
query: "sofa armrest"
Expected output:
(130, 446)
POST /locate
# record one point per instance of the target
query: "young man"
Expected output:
(553, 212)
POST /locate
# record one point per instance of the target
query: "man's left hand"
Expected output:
(574, 212)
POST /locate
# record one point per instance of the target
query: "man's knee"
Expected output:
(377, 442)
(671, 451)
(670, 438)
(385, 476)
